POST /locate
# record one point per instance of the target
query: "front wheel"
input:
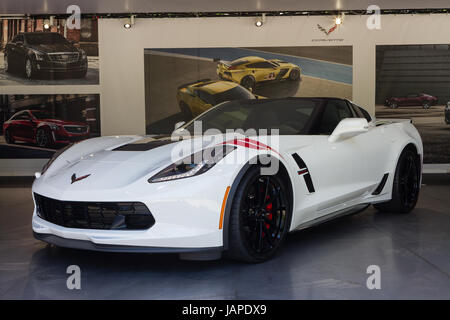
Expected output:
(405, 190)
(260, 217)
(30, 73)
(6, 65)
(393, 105)
(248, 82)
(426, 105)
(44, 138)
(8, 137)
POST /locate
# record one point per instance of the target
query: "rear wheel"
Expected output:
(405, 190)
(260, 217)
(8, 137)
(44, 138)
(248, 82)
(393, 105)
(6, 65)
(30, 73)
(294, 75)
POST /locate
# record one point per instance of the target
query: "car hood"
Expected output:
(54, 47)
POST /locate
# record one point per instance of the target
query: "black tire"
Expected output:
(405, 190)
(248, 82)
(8, 138)
(29, 70)
(294, 75)
(80, 74)
(426, 105)
(44, 138)
(186, 111)
(393, 105)
(258, 225)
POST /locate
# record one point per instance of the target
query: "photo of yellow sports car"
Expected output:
(196, 97)
(249, 71)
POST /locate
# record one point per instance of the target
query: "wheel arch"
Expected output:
(284, 175)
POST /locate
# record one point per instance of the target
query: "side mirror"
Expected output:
(179, 125)
(348, 128)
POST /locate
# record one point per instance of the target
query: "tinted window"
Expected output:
(333, 113)
(238, 63)
(45, 38)
(237, 93)
(263, 65)
(288, 116)
(41, 115)
(22, 116)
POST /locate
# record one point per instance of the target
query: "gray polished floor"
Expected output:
(326, 262)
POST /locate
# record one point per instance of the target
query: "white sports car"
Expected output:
(207, 191)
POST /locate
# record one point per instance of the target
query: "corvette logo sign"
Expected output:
(75, 179)
(327, 31)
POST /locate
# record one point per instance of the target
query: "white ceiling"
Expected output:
(124, 6)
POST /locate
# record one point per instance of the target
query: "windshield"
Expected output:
(237, 93)
(289, 116)
(45, 38)
(41, 115)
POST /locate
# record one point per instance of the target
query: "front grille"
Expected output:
(94, 215)
(76, 129)
(68, 57)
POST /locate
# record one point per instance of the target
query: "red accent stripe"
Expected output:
(302, 171)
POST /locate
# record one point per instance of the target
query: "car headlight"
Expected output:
(55, 156)
(193, 165)
(38, 55)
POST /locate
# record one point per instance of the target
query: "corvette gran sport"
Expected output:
(37, 53)
(205, 190)
(250, 71)
(197, 97)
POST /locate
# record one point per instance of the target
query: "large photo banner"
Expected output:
(413, 82)
(181, 83)
(38, 51)
(35, 126)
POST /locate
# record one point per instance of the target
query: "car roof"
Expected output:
(214, 87)
(249, 59)
(262, 101)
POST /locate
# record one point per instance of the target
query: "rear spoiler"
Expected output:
(191, 83)
(226, 63)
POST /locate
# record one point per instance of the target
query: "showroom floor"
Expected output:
(326, 262)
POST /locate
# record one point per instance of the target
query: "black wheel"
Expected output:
(186, 111)
(393, 105)
(426, 105)
(260, 217)
(44, 138)
(248, 82)
(405, 191)
(294, 74)
(8, 138)
(30, 73)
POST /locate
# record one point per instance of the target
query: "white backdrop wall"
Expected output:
(122, 87)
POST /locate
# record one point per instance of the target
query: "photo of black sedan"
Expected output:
(37, 53)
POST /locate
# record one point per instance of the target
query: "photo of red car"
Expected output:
(41, 128)
(420, 99)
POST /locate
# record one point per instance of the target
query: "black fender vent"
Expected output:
(303, 171)
(381, 185)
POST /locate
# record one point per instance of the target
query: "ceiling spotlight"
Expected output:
(129, 22)
(260, 20)
(46, 24)
(338, 20)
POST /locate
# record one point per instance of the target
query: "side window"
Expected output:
(206, 97)
(333, 113)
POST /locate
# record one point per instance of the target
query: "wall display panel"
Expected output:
(35, 126)
(37, 51)
(181, 83)
(413, 82)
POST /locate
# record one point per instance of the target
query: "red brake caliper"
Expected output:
(269, 215)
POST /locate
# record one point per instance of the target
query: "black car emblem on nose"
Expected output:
(75, 179)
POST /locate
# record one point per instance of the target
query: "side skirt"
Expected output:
(355, 209)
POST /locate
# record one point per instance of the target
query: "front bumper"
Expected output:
(60, 67)
(186, 213)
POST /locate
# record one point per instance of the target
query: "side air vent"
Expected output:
(381, 185)
(303, 171)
